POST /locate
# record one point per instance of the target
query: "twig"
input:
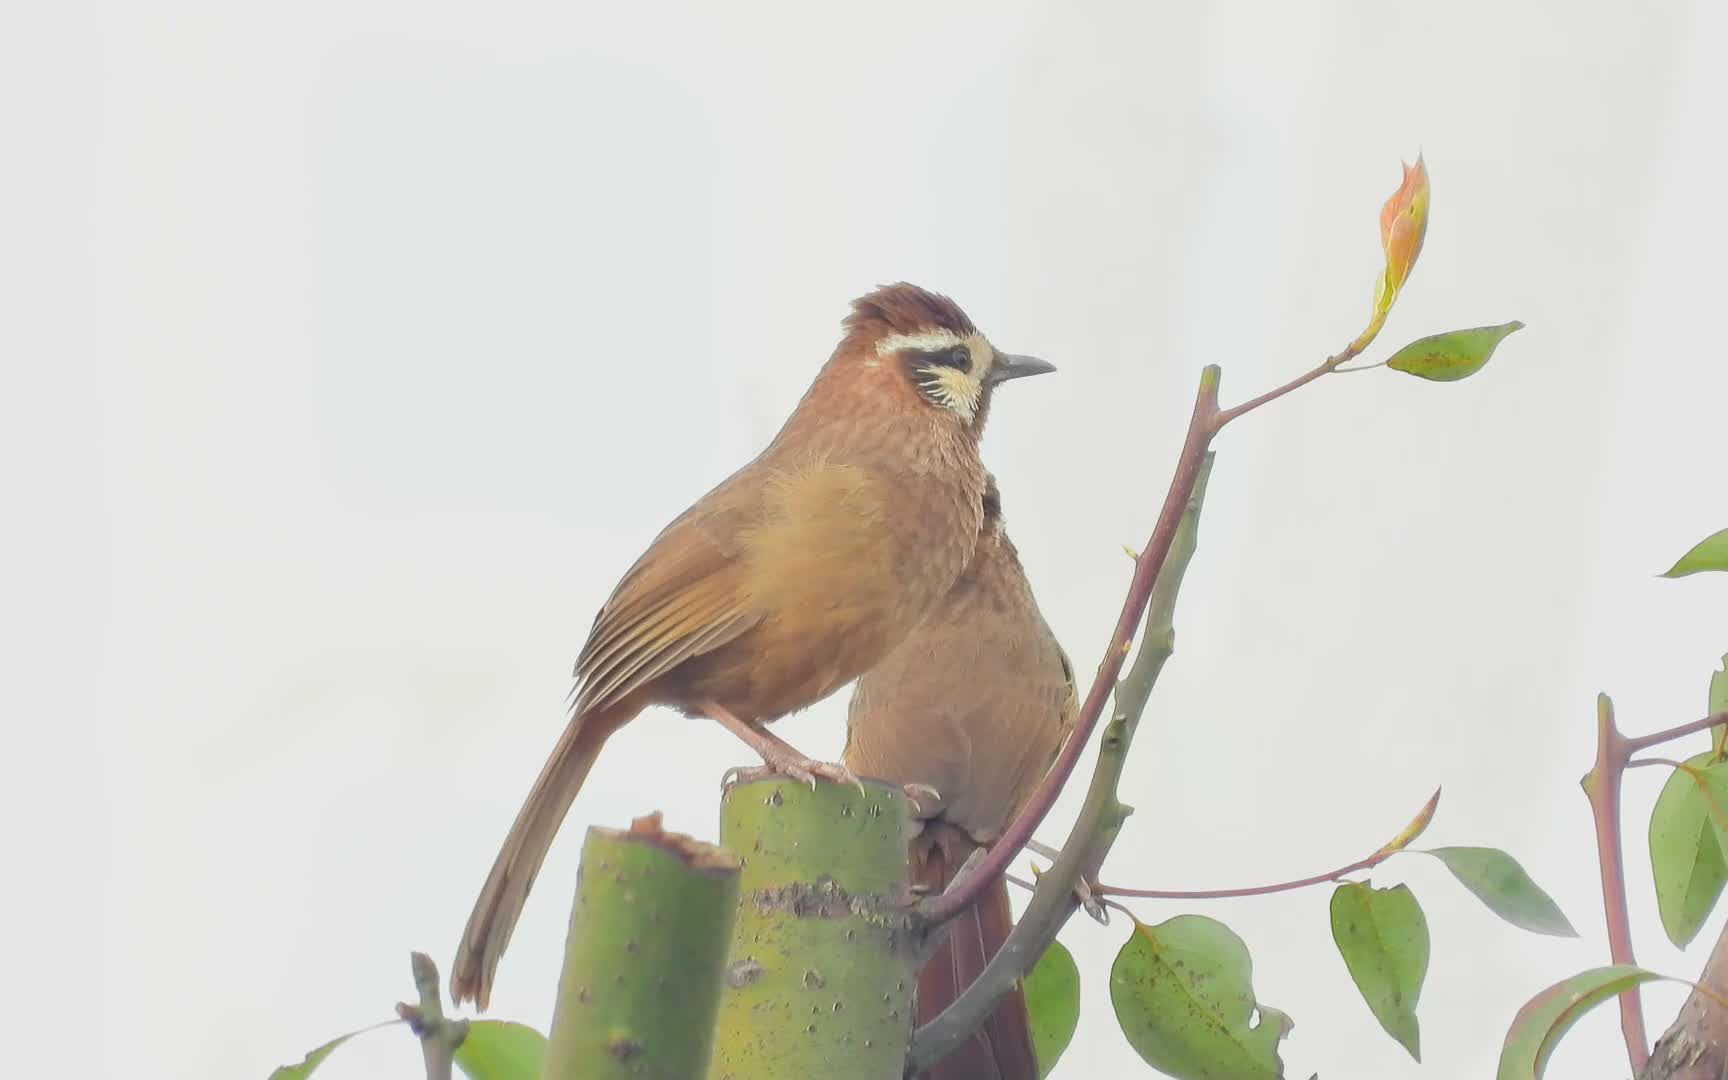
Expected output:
(1158, 571)
(1255, 890)
(1157, 576)
(1205, 423)
(1644, 742)
(1602, 785)
(439, 1035)
(1326, 367)
(1101, 815)
(1401, 842)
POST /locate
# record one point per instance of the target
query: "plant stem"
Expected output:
(1251, 404)
(1256, 890)
(824, 953)
(1157, 577)
(439, 1035)
(1645, 762)
(1602, 785)
(643, 960)
(1398, 843)
(1326, 367)
(1644, 742)
(1102, 814)
(1207, 420)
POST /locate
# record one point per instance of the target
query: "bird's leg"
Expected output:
(780, 758)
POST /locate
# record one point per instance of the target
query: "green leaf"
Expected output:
(1383, 938)
(1053, 1003)
(1539, 1025)
(1448, 357)
(1498, 881)
(1711, 553)
(316, 1057)
(1719, 703)
(1183, 996)
(501, 1050)
(1686, 856)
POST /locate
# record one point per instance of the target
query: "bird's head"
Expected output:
(927, 340)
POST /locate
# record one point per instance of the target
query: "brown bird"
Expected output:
(796, 574)
(975, 704)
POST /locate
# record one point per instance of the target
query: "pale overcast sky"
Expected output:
(350, 352)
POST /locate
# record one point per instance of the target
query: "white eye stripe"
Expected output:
(924, 341)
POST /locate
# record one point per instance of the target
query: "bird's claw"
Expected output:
(804, 770)
(926, 800)
(743, 774)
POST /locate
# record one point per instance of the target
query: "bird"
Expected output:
(968, 713)
(788, 580)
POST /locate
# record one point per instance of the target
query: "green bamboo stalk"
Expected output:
(644, 958)
(824, 955)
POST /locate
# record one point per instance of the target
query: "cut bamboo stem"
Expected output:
(644, 958)
(825, 952)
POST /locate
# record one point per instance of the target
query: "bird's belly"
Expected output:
(791, 660)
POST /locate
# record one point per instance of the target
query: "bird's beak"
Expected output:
(1009, 366)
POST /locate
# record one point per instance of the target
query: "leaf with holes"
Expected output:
(1686, 856)
(1448, 357)
(1545, 1018)
(1383, 937)
(316, 1058)
(1710, 553)
(1184, 999)
(1498, 881)
(1053, 1004)
(501, 1050)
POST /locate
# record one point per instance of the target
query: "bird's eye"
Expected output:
(958, 357)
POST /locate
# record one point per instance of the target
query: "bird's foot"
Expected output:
(926, 800)
(797, 766)
(780, 758)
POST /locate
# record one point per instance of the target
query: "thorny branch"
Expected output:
(1207, 420)
(1602, 786)
(1157, 576)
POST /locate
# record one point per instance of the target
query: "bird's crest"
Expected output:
(905, 309)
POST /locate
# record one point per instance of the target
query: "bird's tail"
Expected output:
(1001, 1049)
(506, 889)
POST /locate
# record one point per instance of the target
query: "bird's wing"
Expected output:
(684, 597)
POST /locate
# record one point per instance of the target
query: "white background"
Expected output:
(348, 353)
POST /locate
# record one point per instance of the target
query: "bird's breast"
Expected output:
(842, 562)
